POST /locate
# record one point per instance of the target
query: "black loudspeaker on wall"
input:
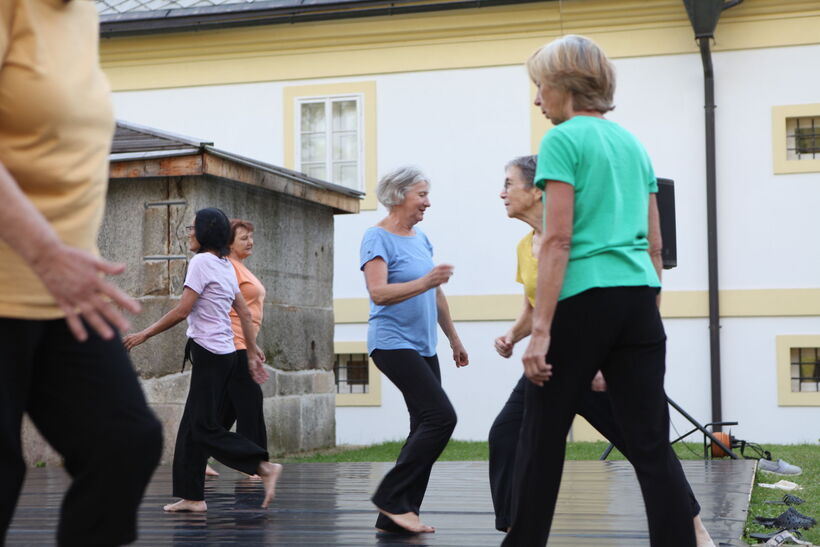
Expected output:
(666, 209)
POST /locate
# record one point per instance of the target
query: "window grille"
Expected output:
(805, 369)
(803, 138)
(351, 371)
(329, 137)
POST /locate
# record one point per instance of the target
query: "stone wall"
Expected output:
(293, 257)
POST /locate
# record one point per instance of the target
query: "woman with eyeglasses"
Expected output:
(211, 290)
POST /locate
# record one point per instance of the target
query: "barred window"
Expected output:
(803, 138)
(351, 371)
(805, 369)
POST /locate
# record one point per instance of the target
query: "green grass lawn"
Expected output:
(806, 456)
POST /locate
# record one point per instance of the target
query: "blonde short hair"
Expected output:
(576, 65)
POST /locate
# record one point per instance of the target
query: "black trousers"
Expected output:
(503, 442)
(618, 331)
(85, 400)
(243, 403)
(432, 420)
(201, 434)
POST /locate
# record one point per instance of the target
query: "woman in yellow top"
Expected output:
(243, 401)
(522, 200)
(63, 362)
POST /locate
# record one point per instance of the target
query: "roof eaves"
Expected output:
(276, 12)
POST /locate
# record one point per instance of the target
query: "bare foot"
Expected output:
(186, 506)
(701, 534)
(408, 521)
(252, 477)
(269, 473)
(210, 471)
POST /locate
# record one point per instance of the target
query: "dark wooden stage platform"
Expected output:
(328, 504)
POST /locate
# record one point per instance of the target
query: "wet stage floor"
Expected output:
(326, 504)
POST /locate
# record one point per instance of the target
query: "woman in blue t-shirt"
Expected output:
(406, 302)
(596, 308)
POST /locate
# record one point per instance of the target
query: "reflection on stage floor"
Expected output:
(325, 504)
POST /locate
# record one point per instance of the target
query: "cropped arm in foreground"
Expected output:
(72, 276)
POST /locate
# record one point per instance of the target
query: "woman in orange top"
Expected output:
(243, 401)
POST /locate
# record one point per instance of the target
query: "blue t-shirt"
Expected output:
(410, 324)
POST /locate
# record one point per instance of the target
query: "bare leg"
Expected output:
(701, 534)
(186, 506)
(408, 521)
(211, 472)
(269, 473)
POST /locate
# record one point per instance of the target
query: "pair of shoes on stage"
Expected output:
(779, 467)
(788, 499)
(791, 519)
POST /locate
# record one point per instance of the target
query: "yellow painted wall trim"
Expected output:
(785, 395)
(780, 162)
(367, 89)
(374, 395)
(674, 305)
(481, 37)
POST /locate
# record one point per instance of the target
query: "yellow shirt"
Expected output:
(527, 273)
(56, 125)
(253, 291)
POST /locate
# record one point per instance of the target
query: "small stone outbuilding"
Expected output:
(157, 183)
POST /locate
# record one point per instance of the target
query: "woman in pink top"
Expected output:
(243, 402)
(211, 290)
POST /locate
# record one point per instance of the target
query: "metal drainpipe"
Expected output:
(711, 228)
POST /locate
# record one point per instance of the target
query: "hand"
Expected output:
(598, 382)
(72, 276)
(536, 368)
(504, 345)
(260, 354)
(459, 354)
(439, 275)
(257, 371)
(133, 340)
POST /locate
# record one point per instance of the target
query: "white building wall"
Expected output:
(462, 126)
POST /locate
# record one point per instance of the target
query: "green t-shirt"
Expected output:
(612, 177)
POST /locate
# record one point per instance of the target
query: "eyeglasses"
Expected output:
(189, 229)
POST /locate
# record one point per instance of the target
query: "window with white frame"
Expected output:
(329, 139)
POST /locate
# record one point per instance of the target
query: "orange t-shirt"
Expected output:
(254, 294)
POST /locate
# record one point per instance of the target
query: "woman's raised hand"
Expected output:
(439, 275)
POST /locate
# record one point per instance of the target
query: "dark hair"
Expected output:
(526, 164)
(237, 223)
(213, 230)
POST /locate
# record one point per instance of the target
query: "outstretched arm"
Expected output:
(177, 314)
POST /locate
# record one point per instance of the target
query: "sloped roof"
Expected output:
(124, 17)
(139, 152)
(110, 7)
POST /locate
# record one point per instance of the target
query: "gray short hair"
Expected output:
(526, 164)
(393, 186)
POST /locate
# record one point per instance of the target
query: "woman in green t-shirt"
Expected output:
(522, 200)
(596, 308)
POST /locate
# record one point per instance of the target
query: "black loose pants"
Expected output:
(616, 330)
(432, 420)
(85, 400)
(503, 442)
(243, 403)
(201, 434)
